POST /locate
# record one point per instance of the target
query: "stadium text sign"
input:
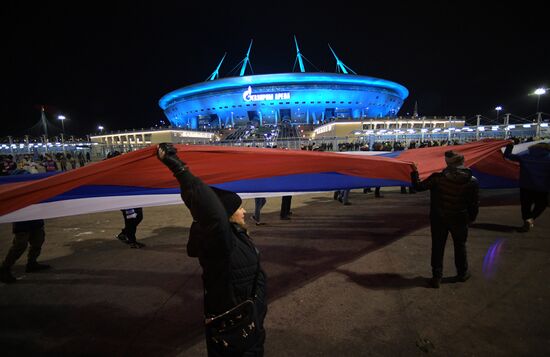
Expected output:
(249, 97)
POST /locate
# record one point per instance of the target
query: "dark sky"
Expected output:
(109, 63)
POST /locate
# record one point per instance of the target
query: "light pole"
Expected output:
(498, 109)
(62, 118)
(538, 92)
(100, 128)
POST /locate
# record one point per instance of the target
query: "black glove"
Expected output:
(171, 159)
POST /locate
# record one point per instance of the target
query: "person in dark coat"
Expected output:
(454, 204)
(286, 202)
(132, 219)
(534, 181)
(26, 233)
(228, 257)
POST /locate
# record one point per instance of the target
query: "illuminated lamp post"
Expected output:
(538, 92)
(62, 118)
(498, 109)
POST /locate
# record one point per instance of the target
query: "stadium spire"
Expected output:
(340, 66)
(246, 60)
(44, 121)
(216, 74)
(299, 56)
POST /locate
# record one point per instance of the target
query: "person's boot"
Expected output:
(527, 225)
(35, 266)
(136, 245)
(122, 237)
(434, 282)
(5, 275)
(463, 277)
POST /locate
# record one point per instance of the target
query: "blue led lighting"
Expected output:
(281, 78)
(270, 98)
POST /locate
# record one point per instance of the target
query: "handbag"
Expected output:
(237, 329)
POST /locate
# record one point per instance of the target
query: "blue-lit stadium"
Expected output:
(273, 99)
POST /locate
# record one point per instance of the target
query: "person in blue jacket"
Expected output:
(534, 181)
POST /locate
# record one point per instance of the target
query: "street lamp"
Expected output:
(100, 128)
(498, 109)
(62, 118)
(538, 93)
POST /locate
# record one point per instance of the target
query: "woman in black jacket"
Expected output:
(228, 257)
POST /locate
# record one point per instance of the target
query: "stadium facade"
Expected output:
(271, 99)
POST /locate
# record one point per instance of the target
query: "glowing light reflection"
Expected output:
(491, 259)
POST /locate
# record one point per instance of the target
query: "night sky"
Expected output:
(110, 63)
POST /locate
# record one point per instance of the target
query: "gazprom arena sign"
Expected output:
(248, 96)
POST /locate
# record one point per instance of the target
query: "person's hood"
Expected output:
(458, 174)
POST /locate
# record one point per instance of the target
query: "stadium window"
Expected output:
(225, 106)
(349, 102)
(303, 102)
(232, 106)
(280, 103)
(341, 102)
(253, 105)
(202, 110)
(240, 105)
(333, 101)
(271, 103)
(319, 102)
(327, 102)
(287, 102)
(248, 105)
(296, 102)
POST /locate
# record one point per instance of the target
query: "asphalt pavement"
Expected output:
(342, 280)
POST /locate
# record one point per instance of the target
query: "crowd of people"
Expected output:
(235, 285)
(41, 163)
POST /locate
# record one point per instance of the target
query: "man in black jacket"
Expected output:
(454, 204)
(227, 255)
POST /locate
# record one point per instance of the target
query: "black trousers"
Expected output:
(132, 218)
(533, 203)
(440, 231)
(34, 238)
(285, 206)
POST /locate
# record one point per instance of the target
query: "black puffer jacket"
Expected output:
(454, 194)
(229, 259)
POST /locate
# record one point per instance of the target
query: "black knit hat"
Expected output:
(453, 159)
(230, 200)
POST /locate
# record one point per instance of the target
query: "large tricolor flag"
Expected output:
(139, 179)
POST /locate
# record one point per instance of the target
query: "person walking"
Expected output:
(285, 207)
(26, 233)
(232, 274)
(132, 219)
(534, 181)
(259, 203)
(454, 204)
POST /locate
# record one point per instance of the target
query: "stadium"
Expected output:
(296, 98)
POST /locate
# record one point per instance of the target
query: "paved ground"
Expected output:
(343, 280)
